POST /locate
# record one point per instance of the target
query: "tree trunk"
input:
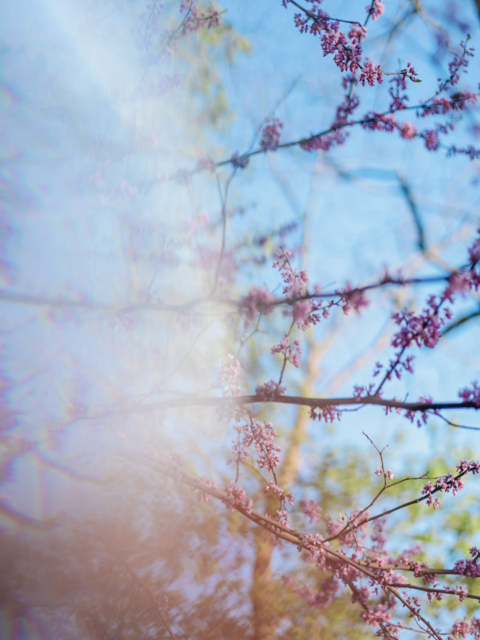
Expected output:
(262, 592)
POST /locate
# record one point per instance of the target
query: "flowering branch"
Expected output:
(344, 567)
(313, 403)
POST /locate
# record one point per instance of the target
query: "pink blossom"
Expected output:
(431, 140)
(424, 329)
(376, 615)
(408, 131)
(376, 9)
(471, 395)
(474, 251)
(237, 498)
(361, 595)
(375, 121)
(329, 414)
(467, 568)
(357, 33)
(461, 629)
(370, 73)
(238, 161)
(449, 483)
(258, 300)
(271, 134)
(457, 283)
(203, 495)
(311, 509)
(323, 142)
(229, 376)
(353, 299)
(290, 352)
(272, 487)
(262, 436)
(457, 64)
(269, 390)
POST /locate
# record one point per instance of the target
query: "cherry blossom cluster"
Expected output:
(461, 629)
(310, 509)
(238, 161)
(303, 310)
(198, 19)
(193, 20)
(347, 570)
(425, 328)
(345, 48)
(237, 499)
(379, 615)
(387, 474)
(422, 420)
(449, 482)
(336, 134)
(364, 391)
(398, 87)
(258, 301)
(306, 311)
(290, 352)
(147, 32)
(327, 414)
(271, 134)
(229, 376)
(468, 568)
(459, 591)
(284, 497)
(240, 452)
(459, 63)
(349, 531)
(457, 102)
(371, 73)
(351, 298)
(262, 436)
(376, 9)
(471, 395)
(269, 390)
(210, 485)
